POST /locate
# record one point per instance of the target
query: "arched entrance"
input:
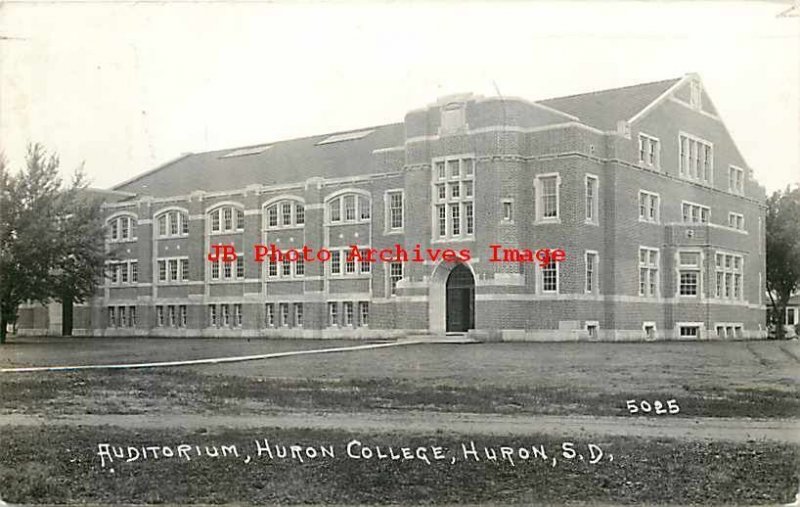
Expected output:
(460, 300)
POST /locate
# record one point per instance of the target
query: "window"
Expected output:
(695, 213)
(592, 326)
(134, 271)
(212, 315)
(395, 275)
(300, 266)
(184, 269)
(160, 316)
(549, 277)
(736, 221)
(546, 197)
(469, 218)
(347, 310)
(395, 211)
(123, 268)
(182, 316)
(455, 220)
(286, 214)
(453, 202)
(122, 320)
(292, 214)
(334, 210)
(112, 321)
(791, 316)
(350, 208)
(591, 199)
(591, 272)
(225, 311)
(349, 264)
(508, 210)
(226, 219)
(648, 271)
(649, 207)
(272, 268)
(453, 169)
(173, 269)
(132, 316)
(736, 180)
(366, 266)
(441, 173)
(286, 268)
(162, 270)
(227, 270)
(333, 314)
(284, 308)
(689, 331)
(649, 151)
(298, 314)
(649, 329)
(363, 313)
(728, 273)
(237, 315)
(364, 208)
(689, 264)
(269, 314)
(696, 158)
(173, 317)
(455, 190)
(336, 265)
(122, 228)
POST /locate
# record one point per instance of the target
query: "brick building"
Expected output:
(642, 186)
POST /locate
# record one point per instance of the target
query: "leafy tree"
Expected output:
(52, 237)
(783, 252)
(79, 266)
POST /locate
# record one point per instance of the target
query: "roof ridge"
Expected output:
(674, 80)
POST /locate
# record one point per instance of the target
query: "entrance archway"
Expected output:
(460, 300)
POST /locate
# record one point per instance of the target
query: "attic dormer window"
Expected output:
(454, 118)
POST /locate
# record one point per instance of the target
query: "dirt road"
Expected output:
(735, 430)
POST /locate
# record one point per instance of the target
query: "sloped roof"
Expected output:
(282, 162)
(603, 109)
(342, 154)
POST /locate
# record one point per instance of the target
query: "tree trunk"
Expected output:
(3, 324)
(66, 317)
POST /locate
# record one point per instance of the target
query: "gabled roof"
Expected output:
(280, 162)
(603, 109)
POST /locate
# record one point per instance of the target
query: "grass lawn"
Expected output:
(711, 379)
(63, 467)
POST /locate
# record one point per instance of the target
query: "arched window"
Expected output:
(285, 213)
(227, 218)
(172, 223)
(349, 207)
(122, 227)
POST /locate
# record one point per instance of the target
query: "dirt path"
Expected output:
(737, 430)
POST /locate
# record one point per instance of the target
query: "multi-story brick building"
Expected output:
(642, 186)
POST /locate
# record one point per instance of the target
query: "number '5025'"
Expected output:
(657, 407)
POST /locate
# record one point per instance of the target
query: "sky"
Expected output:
(122, 88)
